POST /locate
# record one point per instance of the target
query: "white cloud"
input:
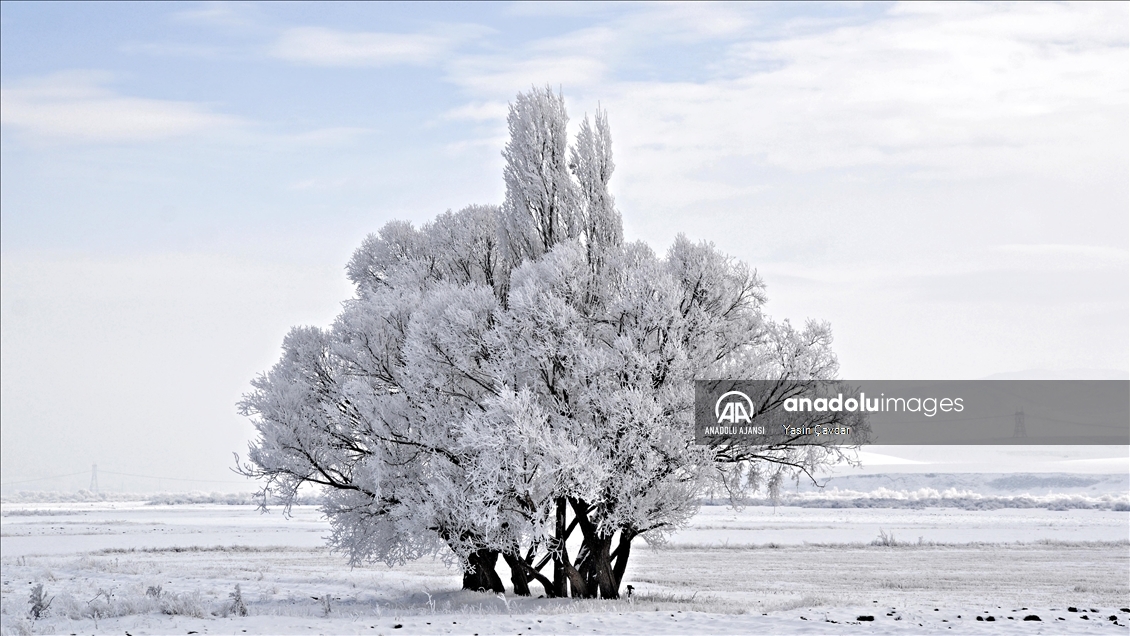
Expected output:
(174, 49)
(694, 21)
(328, 47)
(320, 184)
(1058, 256)
(1040, 249)
(479, 111)
(219, 14)
(555, 9)
(685, 21)
(333, 136)
(500, 77)
(933, 92)
(954, 92)
(581, 60)
(75, 107)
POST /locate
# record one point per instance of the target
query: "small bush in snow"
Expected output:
(182, 605)
(39, 601)
(106, 605)
(885, 540)
(237, 606)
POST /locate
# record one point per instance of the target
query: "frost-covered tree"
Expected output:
(590, 160)
(542, 206)
(512, 381)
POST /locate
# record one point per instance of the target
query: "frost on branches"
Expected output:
(517, 381)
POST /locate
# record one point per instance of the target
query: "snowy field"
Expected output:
(759, 569)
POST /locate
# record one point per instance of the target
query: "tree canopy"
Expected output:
(508, 377)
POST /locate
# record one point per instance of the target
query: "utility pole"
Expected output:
(94, 478)
(1018, 429)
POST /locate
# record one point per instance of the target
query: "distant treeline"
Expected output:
(156, 499)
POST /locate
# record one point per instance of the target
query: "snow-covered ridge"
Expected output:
(931, 498)
(969, 491)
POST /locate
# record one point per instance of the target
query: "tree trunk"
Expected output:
(596, 568)
(517, 574)
(586, 572)
(603, 566)
(577, 582)
(480, 575)
(561, 556)
(623, 551)
(594, 564)
(532, 574)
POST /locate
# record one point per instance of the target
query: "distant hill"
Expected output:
(984, 484)
(965, 491)
(1067, 374)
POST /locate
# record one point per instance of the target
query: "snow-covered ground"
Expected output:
(754, 570)
(760, 525)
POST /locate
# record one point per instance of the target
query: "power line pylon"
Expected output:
(1018, 429)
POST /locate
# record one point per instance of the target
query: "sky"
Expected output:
(946, 184)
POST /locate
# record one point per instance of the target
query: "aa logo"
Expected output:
(734, 407)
